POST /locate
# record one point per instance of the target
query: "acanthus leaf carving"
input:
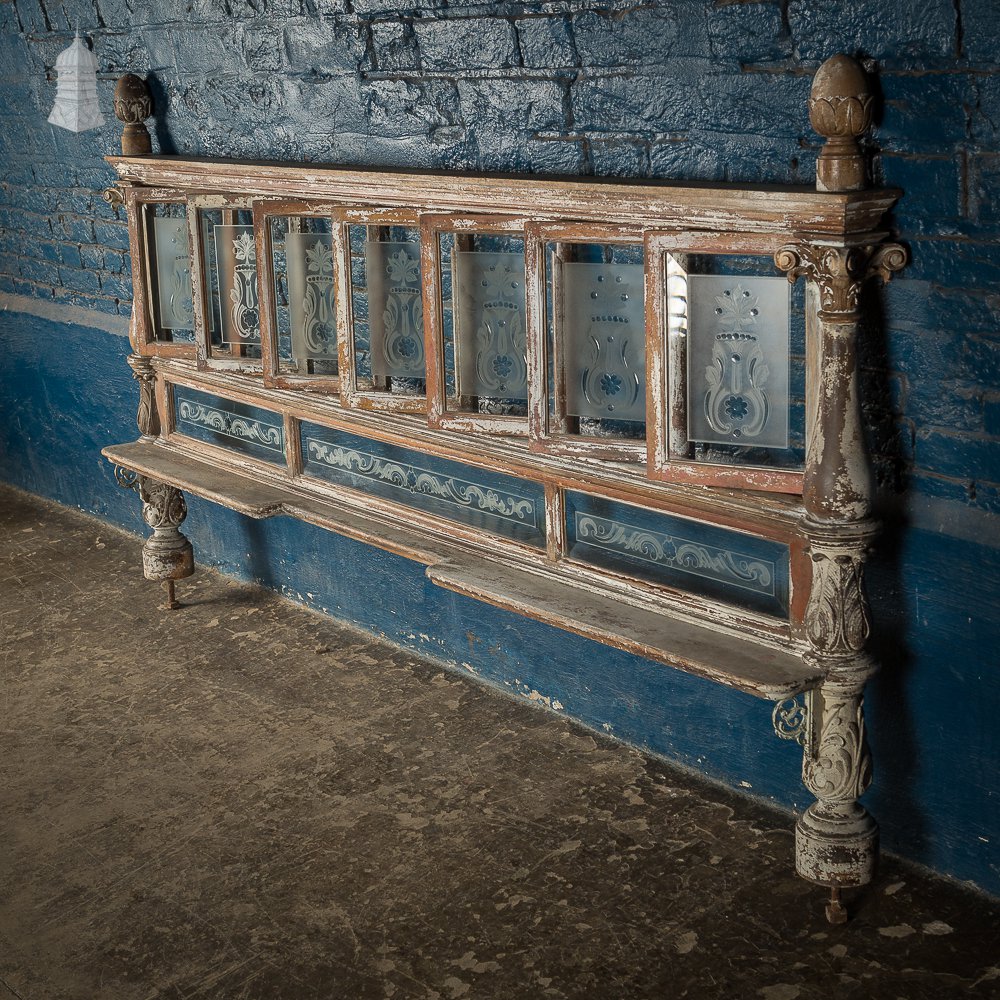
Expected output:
(840, 272)
(837, 614)
(840, 768)
(147, 417)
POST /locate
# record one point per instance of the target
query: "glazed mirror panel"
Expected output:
(169, 272)
(232, 296)
(305, 314)
(485, 324)
(736, 368)
(596, 330)
(387, 309)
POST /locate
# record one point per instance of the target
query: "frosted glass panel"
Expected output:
(311, 305)
(490, 325)
(396, 314)
(236, 258)
(603, 339)
(738, 360)
(173, 274)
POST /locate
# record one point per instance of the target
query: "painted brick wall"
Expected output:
(686, 89)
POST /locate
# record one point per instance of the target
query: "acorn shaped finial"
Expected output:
(840, 109)
(133, 105)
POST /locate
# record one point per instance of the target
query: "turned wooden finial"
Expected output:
(840, 109)
(133, 105)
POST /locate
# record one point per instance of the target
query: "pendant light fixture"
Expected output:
(76, 107)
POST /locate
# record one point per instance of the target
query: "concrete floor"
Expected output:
(244, 799)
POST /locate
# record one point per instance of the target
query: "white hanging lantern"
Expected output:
(76, 106)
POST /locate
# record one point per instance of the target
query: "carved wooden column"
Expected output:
(167, 556)
(836, 839)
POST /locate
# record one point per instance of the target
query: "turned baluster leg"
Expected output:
(167, 555)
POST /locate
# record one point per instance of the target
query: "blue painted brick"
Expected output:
(637, 37)
(466, 43)
(262, 47)
(634, 104)
(42, 272)
(80, 280)
(911, 34)
(984, 189)
(77, 229)
(70, 255)
(975, 457)
(323, 45)
(114, 286)
(979, 33)
(932, 192)
(395, 45)
(923, 114)
(112, 235)
(991, 414)
(92, 257)
(546, 42)
(748, 32)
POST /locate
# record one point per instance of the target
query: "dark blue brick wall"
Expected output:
(686, 89)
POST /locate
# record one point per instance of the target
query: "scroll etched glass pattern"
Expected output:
(173, 277)
(490, 327)
(236, 259)
(311, 305)
(738, 360)
(396, 314)
(603, 340)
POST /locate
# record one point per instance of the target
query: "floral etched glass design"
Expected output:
(396, 312)
(603, 339)
(172, 262)
(738, 360)
(311, 304)
(236, 261)
(720, 563)
(490, 325)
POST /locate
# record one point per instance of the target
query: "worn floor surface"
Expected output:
(243, 799)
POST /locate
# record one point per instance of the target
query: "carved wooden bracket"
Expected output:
(114, 196)
(148, 417)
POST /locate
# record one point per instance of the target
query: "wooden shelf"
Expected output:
(547, 596)
(247, 495)
(736, 662)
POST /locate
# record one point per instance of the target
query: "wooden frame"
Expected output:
(353, 394)
(142, 251)
(264, 210)
(667, 417)
(432, 227)
(203, 316)
(548, 423)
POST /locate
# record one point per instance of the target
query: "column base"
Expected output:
(836, 845)
(167, 559)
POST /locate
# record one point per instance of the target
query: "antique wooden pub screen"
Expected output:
(626, 409)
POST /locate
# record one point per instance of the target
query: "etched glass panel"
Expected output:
(250, 430)
(174, 309)
(490, 324)
(236, 260)
(479, 498)
(715, 562)
(738, 360)
(387, 309)
(604, 340)
(308, 291)
(395, 307)
(736, 366)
